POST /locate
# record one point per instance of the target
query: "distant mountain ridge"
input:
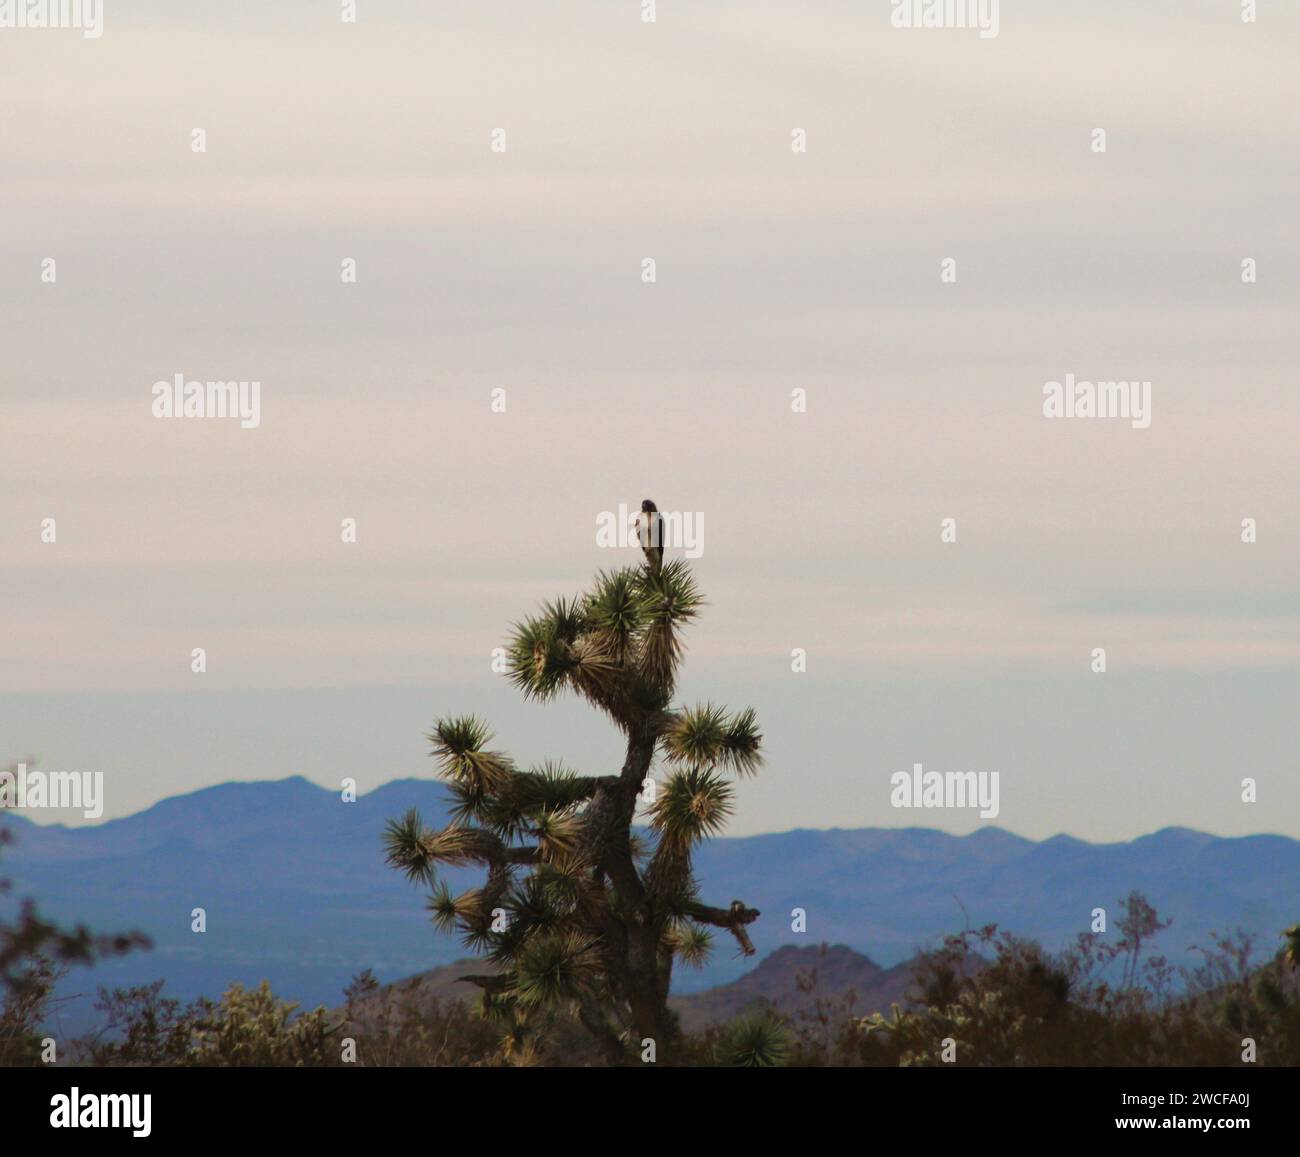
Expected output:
(794, 979)
(791, 979)
(295, 888)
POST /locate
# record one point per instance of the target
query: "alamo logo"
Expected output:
(951, 789)
(181, 399)
(86, 15)
(1080, 399)
(78, 1110)
(24, 788)
(978, 14)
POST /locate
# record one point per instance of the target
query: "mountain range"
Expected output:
(794, 980)
(295, 890)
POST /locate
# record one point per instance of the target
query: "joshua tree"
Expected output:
(577, 909)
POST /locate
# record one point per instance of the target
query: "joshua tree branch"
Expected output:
(733, 919)
(490, 982)
(529, 855)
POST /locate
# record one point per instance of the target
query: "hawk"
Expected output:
(650, 533)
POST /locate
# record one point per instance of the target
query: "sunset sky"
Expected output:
(775, 271)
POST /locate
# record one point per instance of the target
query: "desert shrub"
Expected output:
(1029, 1007)
(246, 1027)
(254, 1027)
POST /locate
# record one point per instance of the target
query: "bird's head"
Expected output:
(648, 507)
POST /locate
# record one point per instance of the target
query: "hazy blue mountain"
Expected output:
(296, 890)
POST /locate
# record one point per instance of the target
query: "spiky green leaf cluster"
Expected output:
(705, 736)
(692, 944)
(757, 1041)
(694, 804)
(619, 646)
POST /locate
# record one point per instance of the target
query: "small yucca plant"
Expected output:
(576, 909)
(756, 1041)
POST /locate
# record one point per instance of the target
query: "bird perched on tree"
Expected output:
(650, 533)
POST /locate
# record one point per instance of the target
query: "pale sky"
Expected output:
(775, 270)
